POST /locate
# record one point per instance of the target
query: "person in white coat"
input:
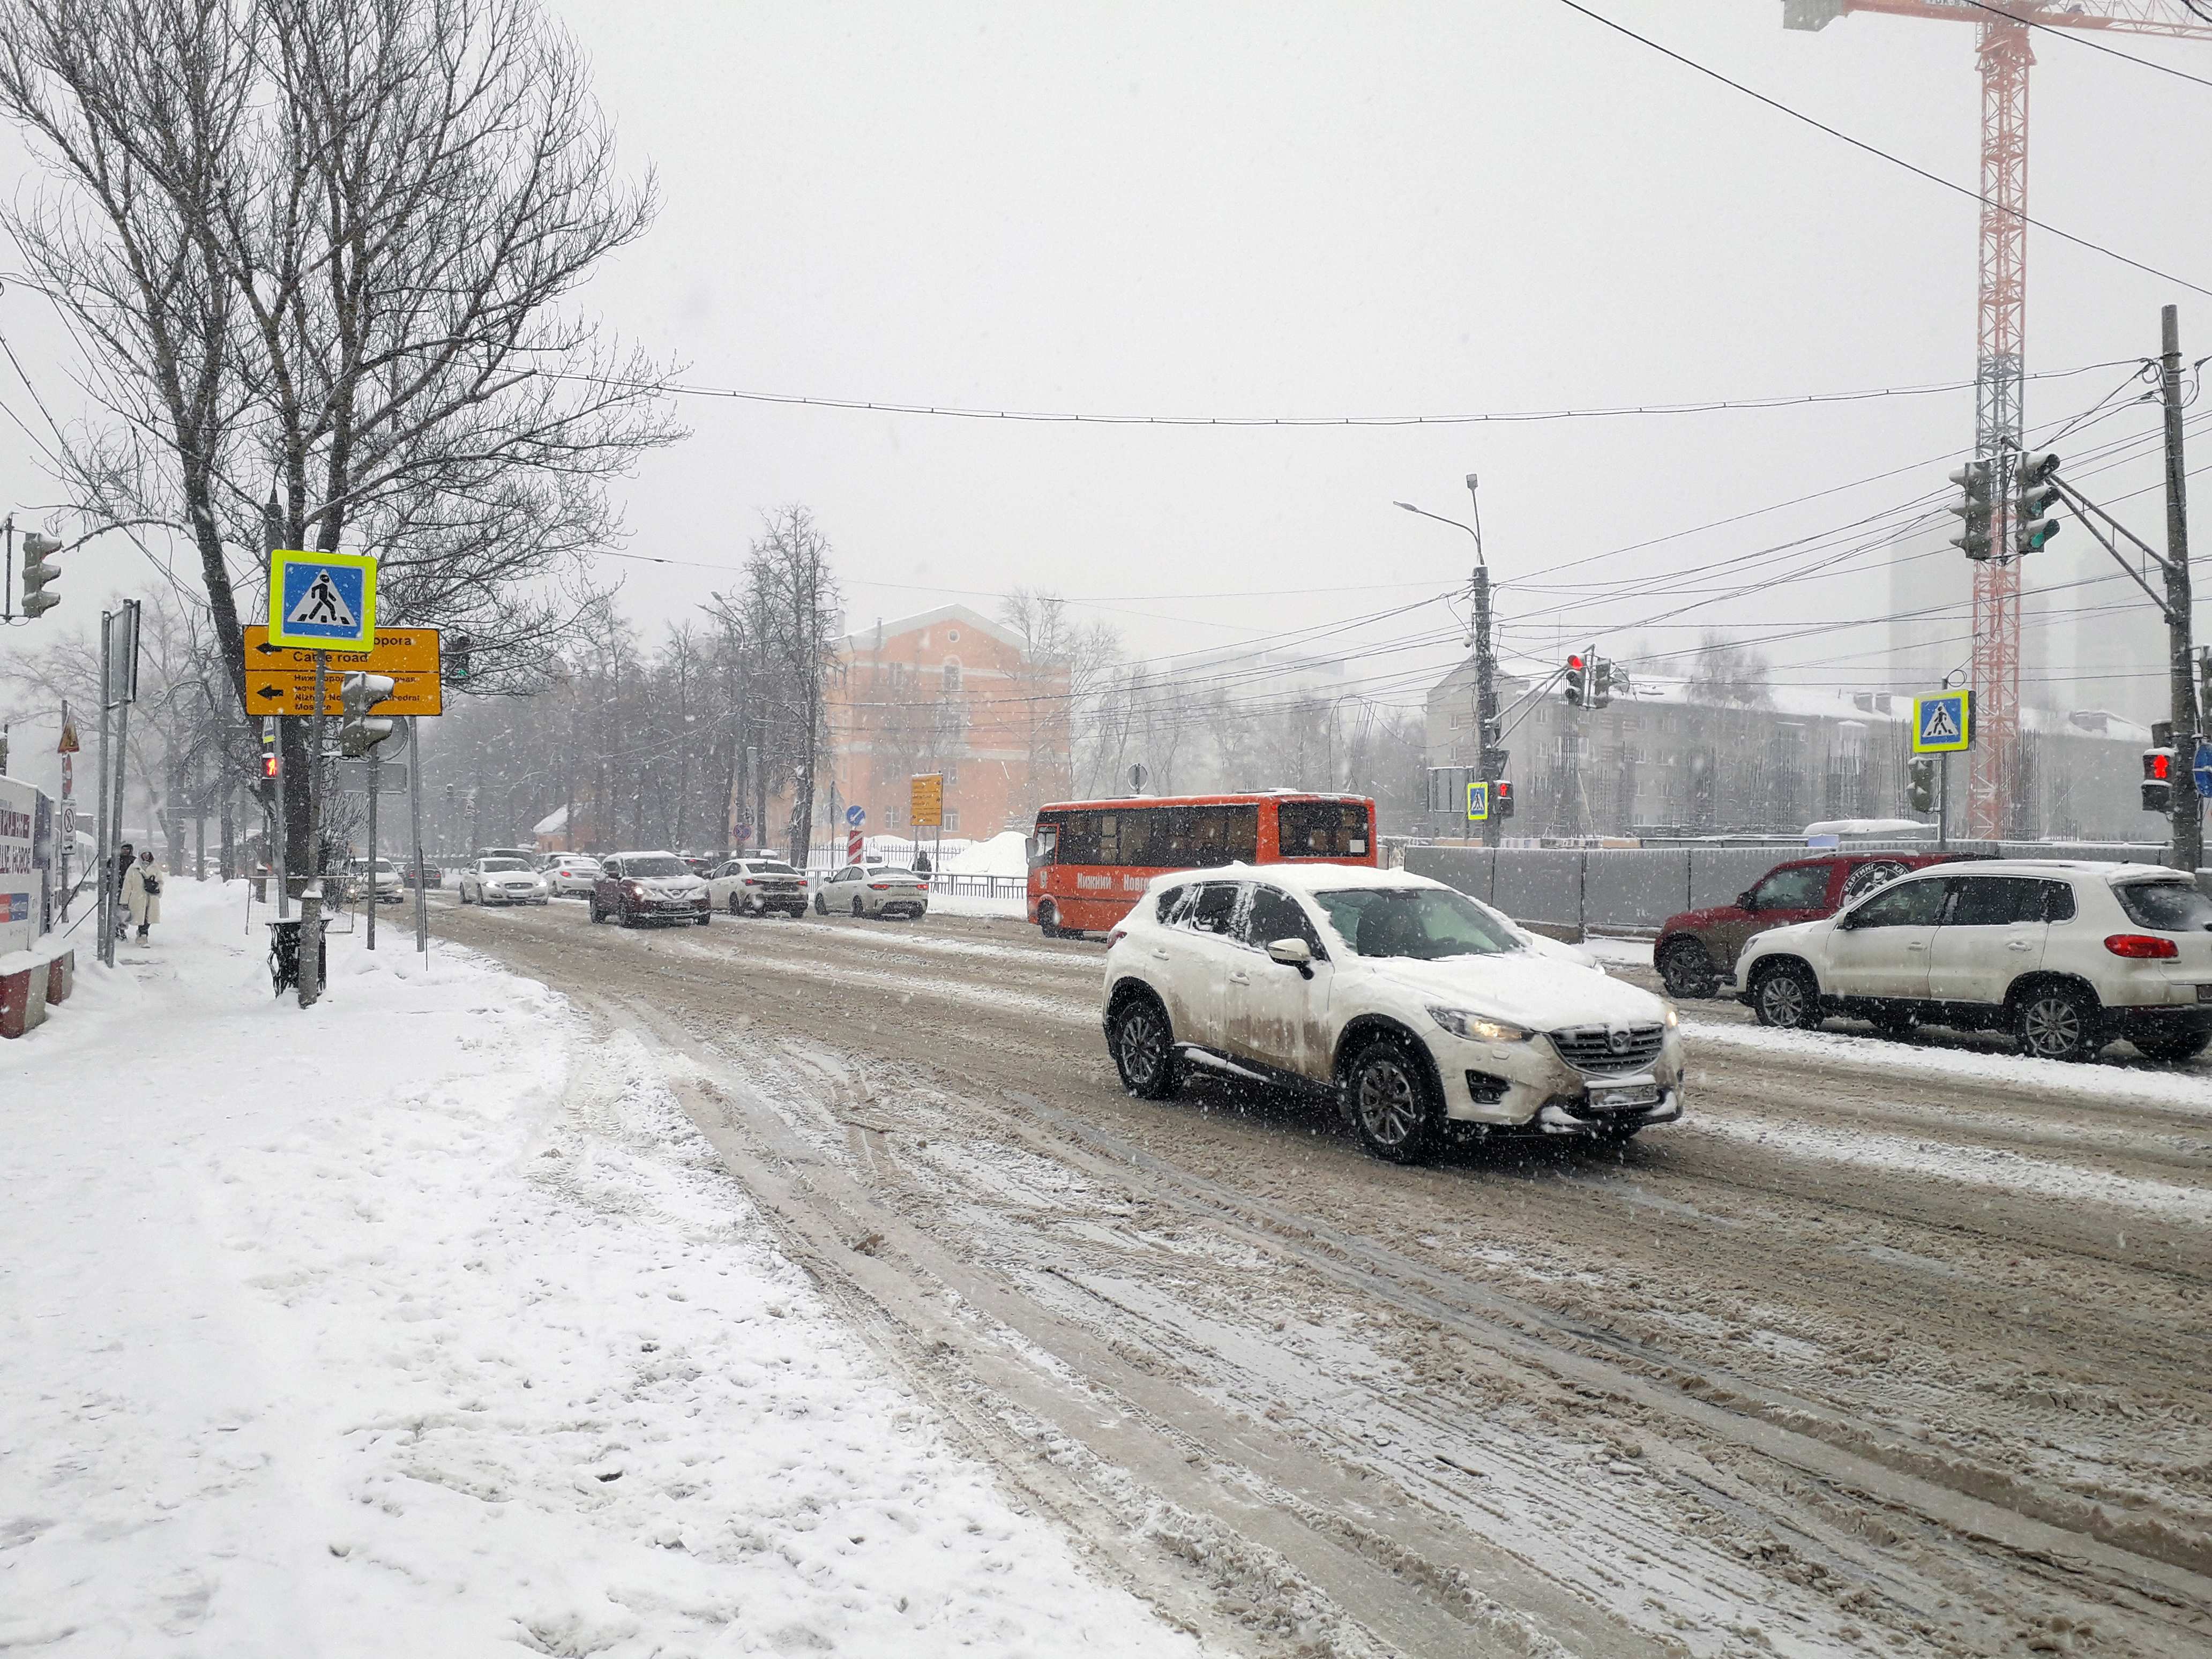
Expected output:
(142, 893)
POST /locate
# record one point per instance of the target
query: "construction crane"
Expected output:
(2005, 52)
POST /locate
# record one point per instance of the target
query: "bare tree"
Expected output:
(800, 604)
(1066, 720)
(1736, 675)
(330, 242)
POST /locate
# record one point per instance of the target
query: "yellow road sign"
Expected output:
(280, 679)
(926, 796)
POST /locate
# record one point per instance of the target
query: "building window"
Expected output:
(952, 635)
(952, 675)
(952, 771)
(952, 820)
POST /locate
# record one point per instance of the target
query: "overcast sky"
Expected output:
(1325, 210)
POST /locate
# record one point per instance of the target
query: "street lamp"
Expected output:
(1491, 760)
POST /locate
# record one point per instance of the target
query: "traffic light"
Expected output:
(1501, 799)
(1601, 682)
(270, 766)
(1575, 682)
(39, 574)
(1920, 787)
(2034, 495)
(359, 693)
(456, 655)
(2157, 780)
(1973, 537)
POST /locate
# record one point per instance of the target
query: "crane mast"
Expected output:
(1995, 798)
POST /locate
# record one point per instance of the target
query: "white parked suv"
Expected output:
(1424, 1013)
(2067, 956)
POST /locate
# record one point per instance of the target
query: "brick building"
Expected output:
(949, 691)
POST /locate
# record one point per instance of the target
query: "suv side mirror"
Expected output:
(1747, 900)
(1292, 953)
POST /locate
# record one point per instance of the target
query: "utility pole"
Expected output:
(1493, 760)
(310, 895)
(2188, 815)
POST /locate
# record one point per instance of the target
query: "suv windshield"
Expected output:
(1425, 922)
(489, 864)
(658, 868)
(2170, 907)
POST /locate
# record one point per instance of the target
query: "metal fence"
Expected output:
(1630, 889)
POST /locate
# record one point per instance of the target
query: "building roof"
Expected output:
(863, 639)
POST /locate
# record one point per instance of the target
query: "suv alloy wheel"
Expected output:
(1143, 1048)
(1392, 1105)
(2057, 1022)
(1686, 968)
(1785, 997)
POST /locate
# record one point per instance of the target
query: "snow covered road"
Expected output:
(1889, 1348)
(425, 1324)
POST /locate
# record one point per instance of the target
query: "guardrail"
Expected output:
(990, 887)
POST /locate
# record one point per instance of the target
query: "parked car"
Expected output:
(634, 887)
(877, 890)
(754, 886)
(1424, 1014)
(502, 878)
(2067, 956)
(1696, 951)
(570, 872)
(383, 878)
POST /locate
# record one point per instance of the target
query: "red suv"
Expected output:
(1696, 950)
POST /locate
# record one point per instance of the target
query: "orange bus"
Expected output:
(1089, 860)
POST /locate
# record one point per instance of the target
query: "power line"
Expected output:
(1495, 417)
(1874, 150)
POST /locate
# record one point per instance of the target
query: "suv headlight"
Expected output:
(1672, 1016)
(1477, 1028)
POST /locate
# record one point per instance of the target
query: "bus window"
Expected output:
(1043, 844)
(1321, 829)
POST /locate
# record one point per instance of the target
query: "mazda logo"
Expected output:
(1617, 1041)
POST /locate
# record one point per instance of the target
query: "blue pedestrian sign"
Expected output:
(322, 601)
(855, 816)
(2203, 769)
(1477, 803)
(1942, 722)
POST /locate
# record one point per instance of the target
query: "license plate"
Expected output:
(1636, 1094)
(2204, 994)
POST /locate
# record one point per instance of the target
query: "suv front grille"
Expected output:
(1609, 1052)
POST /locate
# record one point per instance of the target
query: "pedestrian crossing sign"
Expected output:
(1477, 803)
(1942, 722)
(322, 601)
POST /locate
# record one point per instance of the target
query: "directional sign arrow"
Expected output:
(269, 650)
(273, 692)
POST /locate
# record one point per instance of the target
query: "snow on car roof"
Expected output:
(1300, 877)
(2063, 867)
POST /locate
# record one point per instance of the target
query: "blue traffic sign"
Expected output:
(322, 601)
(855, 816)
(1942, 722)
(2203, 769)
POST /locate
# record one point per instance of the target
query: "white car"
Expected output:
(504, 878)
(2067, 956)
(754, 886)
(569, 872)
(361, 877)
(875, 890)
(1425, 1014)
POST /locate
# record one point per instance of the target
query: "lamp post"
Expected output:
(1492, 760)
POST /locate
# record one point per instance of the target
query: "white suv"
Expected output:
(2067, 956)
(1423, 1012)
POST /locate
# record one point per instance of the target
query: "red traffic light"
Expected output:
(2157, 765)
(268, 766)
(1573, 662)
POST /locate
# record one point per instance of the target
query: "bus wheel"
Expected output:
(1049, 921)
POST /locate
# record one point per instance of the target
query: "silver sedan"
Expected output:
(502, 881)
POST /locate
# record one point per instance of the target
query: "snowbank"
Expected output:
(1006, 853)
(408, 1325)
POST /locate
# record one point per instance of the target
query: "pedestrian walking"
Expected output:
(922, 864)
(126, 862)
(142, 893)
